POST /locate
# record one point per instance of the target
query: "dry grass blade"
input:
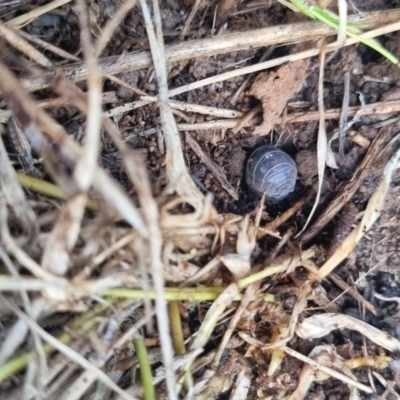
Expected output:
(70, 353)
(242, 386)
(65, 232)
(322, 145)
(176, 172)
(27, 18)
(382, 107)
(371, 214)
(34, 116)
(112, 25)
(85, 166)
(48, 46)
(353, 292)
(374, 151)
(215, 169)
(24, 47)
(175, 105)
(175, 164)
(15, 196)
(344, 113)
(189, 20)
(324, 355)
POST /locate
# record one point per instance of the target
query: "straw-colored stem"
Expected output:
(179, 294)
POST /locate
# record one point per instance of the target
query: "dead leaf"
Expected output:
(322, 324)
(275, 89)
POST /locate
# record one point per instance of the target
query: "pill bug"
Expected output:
(272, 171)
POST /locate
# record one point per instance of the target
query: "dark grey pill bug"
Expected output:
(272, 171)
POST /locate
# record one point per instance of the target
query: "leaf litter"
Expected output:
(110, 271)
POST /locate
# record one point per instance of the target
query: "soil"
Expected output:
(371, 77)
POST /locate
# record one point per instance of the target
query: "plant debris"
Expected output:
(136, 263)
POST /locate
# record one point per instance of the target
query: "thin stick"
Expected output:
(231, 43)
(24, 47)
(215, 169)
(27, 18)
(48, 46)
(353, 293)
(329, 371)
(382, 107)
(112, 25)
(322, 144)
(344, 113)
(189, 20)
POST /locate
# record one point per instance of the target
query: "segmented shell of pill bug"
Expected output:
(272, 171)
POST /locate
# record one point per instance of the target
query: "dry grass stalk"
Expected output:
(159, 232)
(348, 191)
(24, 47)
(327, 370)
(322, 144)
(27, 18)
(353, 292)
(221, 125)
(65, 232)
(344, 113)
(110, 191)
(14, 195)
(326, 356)
(189, 19)
(112, 25)
(48, 46)
(242, 386)
(374, 208)
(211, 166)
(231, 43)
(176, 172)
(383, 107)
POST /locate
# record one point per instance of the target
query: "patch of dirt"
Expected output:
(274, 89)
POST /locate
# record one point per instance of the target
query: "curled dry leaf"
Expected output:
(322, 324)
(275, 89)
(239, 263)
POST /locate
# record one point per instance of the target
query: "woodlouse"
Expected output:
(272, 171)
